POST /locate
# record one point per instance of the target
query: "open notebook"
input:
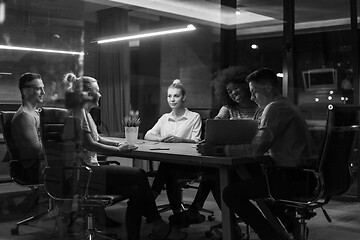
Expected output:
(229, 132)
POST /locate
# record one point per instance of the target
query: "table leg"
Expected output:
(225, 211)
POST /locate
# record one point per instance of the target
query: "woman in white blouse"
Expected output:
(180, 125)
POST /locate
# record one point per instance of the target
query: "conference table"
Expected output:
(186, 153)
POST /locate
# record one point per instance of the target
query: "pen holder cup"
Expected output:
(131, 134)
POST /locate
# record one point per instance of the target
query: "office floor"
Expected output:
(345, 224)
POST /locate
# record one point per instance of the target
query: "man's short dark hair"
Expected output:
(26, 78)
(263, 76)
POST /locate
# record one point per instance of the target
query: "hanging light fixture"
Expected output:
(188, 28)
(6, 47)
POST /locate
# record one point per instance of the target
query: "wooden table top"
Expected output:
(176, 152)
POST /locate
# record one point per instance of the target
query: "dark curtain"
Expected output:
(114, 69)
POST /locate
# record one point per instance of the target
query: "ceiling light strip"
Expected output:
(189, 27)
(6, 47)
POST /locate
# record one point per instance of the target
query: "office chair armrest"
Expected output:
(111, 162)
(67, 183)
(102, 157)
(319, 188)
(102, 160)
(317, 192)
(13, 163)
(16, 171)
(265, 167)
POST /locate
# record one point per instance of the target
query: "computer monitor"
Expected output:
(320, 79)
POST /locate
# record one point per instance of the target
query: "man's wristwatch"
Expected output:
(222, 150)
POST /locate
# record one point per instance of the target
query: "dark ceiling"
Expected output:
(53, 18)
(305, 10)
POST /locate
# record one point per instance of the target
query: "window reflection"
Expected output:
(322, 41)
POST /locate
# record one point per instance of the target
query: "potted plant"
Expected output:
(131, 124)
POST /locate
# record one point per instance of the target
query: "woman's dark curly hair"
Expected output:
(232, 74)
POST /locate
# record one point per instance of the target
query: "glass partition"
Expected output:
(56, 37)
(60, 36)
(45, 37)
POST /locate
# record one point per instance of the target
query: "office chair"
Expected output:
(52, 122)
(36, 189)
(332, 174)
(63, 181)
(185, 184)
(72, 184)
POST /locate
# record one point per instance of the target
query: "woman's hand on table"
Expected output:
(126, 147)
(170, 139)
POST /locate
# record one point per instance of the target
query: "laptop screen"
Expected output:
(230, 132)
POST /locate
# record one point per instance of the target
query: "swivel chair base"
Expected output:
(15, 230)
(210, 233)
(92, 233)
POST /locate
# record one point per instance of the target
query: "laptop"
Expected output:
(230, 132)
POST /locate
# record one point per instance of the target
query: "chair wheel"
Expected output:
(15, 231)
(211, 218)
(208, 234)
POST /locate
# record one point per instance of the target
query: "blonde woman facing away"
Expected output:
(115, 179)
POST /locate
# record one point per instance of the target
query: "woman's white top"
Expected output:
(187, 126)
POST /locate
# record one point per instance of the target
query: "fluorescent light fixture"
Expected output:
(188, 28)
(2, 12)
(5, 73)
(6, 47)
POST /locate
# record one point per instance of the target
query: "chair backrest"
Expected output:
(52, 122)
(16, 170)
(62, 180)
(5, 121)
(205, 114)
(340, 145)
